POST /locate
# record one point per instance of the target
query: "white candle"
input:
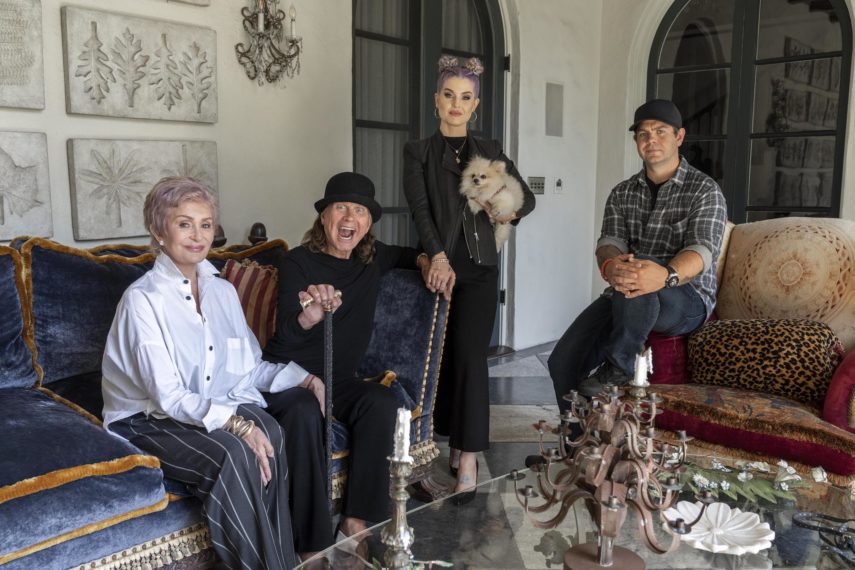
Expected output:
(293, 14)
(643, 365)
(260, 26)
(402, 436)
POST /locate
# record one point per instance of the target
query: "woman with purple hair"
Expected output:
(464, 260)
(182, 380)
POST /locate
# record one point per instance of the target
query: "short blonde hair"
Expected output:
(169, 193)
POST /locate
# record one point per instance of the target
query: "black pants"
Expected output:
(368, 410)
(299, 414)
(249, 524)
(462, 409)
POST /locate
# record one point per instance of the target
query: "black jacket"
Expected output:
(431, 185)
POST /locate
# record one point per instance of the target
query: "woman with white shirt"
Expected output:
(182, 380)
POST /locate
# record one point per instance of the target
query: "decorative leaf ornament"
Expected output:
(18, 187)
(164, 75)
(95, 67)
(119, 183)
(197, 74)
(129, 61)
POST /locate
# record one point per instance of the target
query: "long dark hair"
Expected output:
(315, 240)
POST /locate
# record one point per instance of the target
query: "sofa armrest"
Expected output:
(839, 407)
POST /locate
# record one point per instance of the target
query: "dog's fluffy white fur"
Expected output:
(488, 182)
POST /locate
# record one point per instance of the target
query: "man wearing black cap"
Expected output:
(658, 248)
(338, 252)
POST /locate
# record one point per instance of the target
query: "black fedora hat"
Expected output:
(350, 187)
(658, 110)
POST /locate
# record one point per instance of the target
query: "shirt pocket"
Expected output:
(239, 358)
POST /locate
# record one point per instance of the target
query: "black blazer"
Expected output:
(431, 185)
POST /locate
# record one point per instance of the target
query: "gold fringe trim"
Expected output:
(27, 333)
(156, 553)
(224, 254)
(339, 481)
(83, 531)
(63, 476)
(424, 452)
(341, 454)
(70, 404)
(844, 442)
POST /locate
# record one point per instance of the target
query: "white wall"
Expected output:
(277, 146)
(559, 41)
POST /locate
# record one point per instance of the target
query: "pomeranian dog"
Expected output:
(488, 186)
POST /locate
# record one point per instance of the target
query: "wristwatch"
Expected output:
(673, 279)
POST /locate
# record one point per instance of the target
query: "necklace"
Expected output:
(458, 150)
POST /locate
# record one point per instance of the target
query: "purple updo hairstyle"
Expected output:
(449, 67)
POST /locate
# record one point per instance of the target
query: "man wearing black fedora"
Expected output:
(660, 240)
(338, 253)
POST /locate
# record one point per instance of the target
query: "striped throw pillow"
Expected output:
(258, 289)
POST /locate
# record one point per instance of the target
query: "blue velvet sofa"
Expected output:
(71, 495)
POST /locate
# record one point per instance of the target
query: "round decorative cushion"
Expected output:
(789, 268)
(794, 358)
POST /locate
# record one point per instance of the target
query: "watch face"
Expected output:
(672, 281)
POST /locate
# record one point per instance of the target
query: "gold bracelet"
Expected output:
(440, 260)
(233, 423)
(245, 429)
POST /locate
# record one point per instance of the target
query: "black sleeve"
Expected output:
(415, 189)
(292, 279)
(394, 257)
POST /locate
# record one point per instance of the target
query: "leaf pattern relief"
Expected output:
(187, 168)
(129, 61)
(164, 75)
(121, 183)
(197, 74)
(18, 187)
(95, 67)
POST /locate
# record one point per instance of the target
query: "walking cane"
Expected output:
(328, 368)
(328, 383)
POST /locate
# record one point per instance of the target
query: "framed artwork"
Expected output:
(787, 188)
(109, 180)
(24, 185)
(830, 118)
(22, 69)
(820, 76)
(813, 152)
(817, 107)
(797, 111)
(128, 66)
(791, 152)
(797, 70)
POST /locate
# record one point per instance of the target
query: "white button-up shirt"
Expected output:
(164, 358)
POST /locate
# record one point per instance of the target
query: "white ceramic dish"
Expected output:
(723, 529)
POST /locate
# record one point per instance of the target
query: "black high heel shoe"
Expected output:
(466, 497)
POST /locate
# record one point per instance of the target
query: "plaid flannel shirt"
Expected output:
(690, 215)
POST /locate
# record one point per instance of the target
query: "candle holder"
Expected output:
(397, 535)
(616, 464)
(271, 53)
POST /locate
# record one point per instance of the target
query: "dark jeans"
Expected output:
(615, 328)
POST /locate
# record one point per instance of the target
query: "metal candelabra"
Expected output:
(397, 535)
(617, 463)
(272, 52)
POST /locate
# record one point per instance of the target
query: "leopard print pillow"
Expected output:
(794, 358)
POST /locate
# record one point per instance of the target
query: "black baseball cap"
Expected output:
(658, 110)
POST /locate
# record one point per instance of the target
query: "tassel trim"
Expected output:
(156, 553)
(84, 530)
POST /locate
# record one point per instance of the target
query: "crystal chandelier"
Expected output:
(272, 53)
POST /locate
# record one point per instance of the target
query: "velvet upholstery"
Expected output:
(769, 425)
(73, 295)
(64, 475)
(839, 406)
(16, 356)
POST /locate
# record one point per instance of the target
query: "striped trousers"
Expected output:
(249, 524)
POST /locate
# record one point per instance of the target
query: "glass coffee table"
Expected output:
(493, 531)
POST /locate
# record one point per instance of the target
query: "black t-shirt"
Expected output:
(352, 321)
(654, 190)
